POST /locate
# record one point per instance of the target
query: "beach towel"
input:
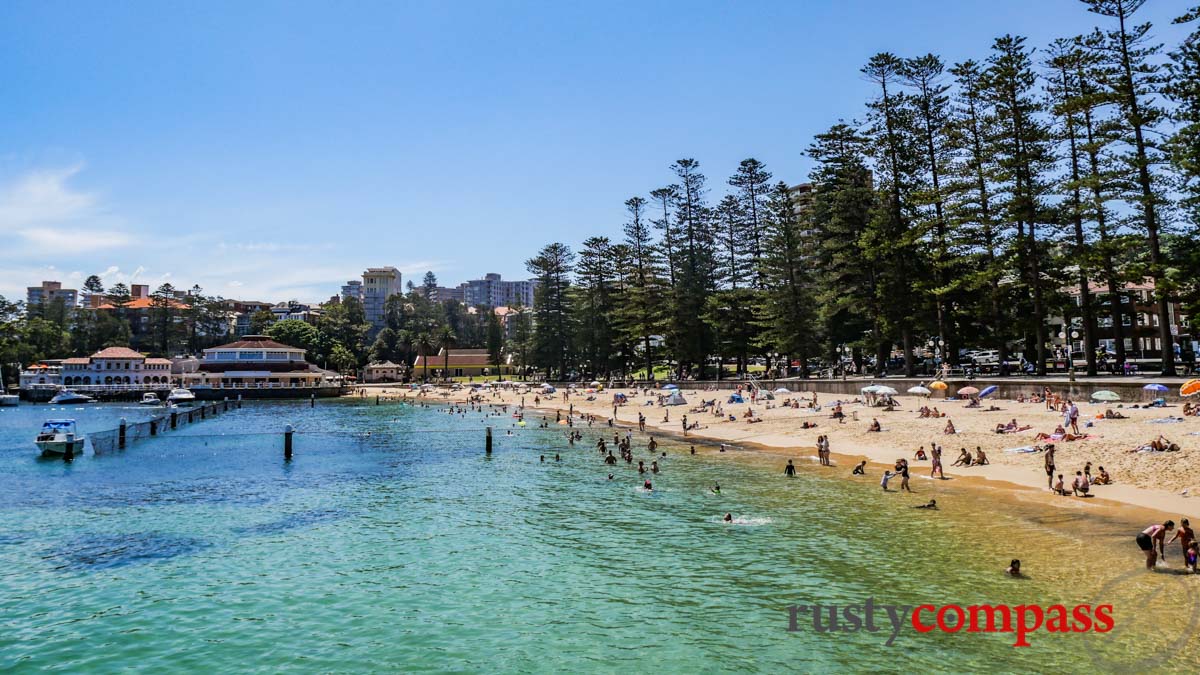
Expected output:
(1022, 449)
(1166, 420)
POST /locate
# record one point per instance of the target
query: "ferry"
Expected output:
(150, 398)
(68, 396)
(58, 438)
(181, 397)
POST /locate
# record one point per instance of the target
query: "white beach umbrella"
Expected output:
(920, 391)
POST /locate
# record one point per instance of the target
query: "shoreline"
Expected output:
(788, 441)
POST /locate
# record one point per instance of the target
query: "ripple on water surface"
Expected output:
(409, 550)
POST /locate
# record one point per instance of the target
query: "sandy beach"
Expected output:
(1168, 482)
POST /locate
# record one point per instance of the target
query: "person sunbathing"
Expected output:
(949, 428)
(1058, 435)
(924, 411)
(964, 458)
(875, 426)
(1111, 415)
(1163, 444)
(981, 459)
(1102, 478)
(937, 413)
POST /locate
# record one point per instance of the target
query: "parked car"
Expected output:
(989, 357)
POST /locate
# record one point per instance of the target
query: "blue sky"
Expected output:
(271, 150)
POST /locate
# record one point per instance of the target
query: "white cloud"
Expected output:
(58, 241)
(47, 217)
(43, 197)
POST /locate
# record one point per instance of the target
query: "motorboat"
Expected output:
(68, 396)
(181, 397)
(150, 398)
(59, 438)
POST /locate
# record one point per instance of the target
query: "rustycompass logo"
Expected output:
(1023, 621)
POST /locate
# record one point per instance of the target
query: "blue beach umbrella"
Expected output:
(670, 386)
(1156, 387)
(988, 391)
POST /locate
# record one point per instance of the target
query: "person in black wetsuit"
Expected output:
(790, 469)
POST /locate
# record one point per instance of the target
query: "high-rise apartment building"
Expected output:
(492, 291)
(48, 292)
(378, 284)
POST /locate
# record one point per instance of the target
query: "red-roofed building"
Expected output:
(255, 361)
(462, 363)
(115, 366)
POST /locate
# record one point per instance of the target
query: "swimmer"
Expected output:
(543, 458)
(861, 469)
(931, 505)
(647, 486)
(557, 458)
(1154, 535)
(693, 449)
(729, 517)
(715, 489)
(789, 470)
(1014, 568)
(653, 467)
(610, 476)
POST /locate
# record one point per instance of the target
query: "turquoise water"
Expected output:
(408, 549)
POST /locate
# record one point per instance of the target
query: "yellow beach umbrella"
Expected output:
(1190, 388)
(938, 385)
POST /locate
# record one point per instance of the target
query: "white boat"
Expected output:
(58, 437)
(68, 396)
(7, 399)
(181, 397)
(150, 398)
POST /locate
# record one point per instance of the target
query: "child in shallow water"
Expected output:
(887, 475)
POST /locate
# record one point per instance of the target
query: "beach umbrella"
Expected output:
(670, 386)
(988, 391)
(595, 383)
(1106, 395)
(870, 389)
(1156, 387)
(968, 391)
(1190, 388)
(938, 385)
(783, 390)
(886, 391)
(921, 391)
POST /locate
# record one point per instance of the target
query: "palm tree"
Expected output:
(446, 340)
(424, 343)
